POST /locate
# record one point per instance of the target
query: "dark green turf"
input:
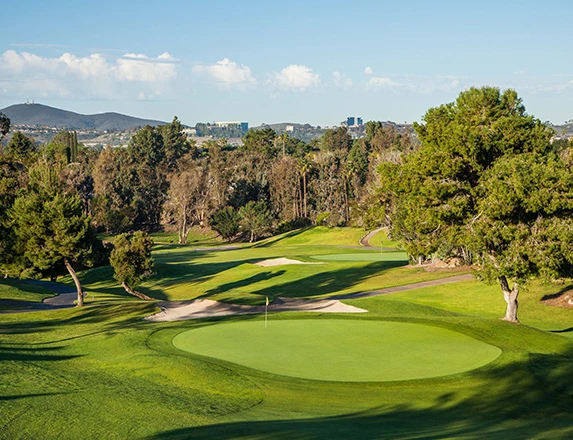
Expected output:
(340, 350)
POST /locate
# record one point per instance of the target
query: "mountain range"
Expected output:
(43, 115)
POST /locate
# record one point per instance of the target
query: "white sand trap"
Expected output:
(280, 262)
(206, 308)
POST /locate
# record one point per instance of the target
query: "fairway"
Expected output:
(340, 350)
(364, 256)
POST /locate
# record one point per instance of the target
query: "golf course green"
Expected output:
(103, 371)
(340, 350)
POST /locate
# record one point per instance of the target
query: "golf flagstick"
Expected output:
(266, 309)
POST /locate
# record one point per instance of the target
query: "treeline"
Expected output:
(55, 197)
(161, 180)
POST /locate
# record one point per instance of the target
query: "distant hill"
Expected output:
(43, 115)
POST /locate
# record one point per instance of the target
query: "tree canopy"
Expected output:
(51, 228)
(131, 260)
(485, 187)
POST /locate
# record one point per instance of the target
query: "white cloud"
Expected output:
(87, 67)
(295, 77)
(341, 80)
(140, 68)
(226, 72)
(415, 83)
(368, 70)
(382, 82)
(25, 74)
(131, 67)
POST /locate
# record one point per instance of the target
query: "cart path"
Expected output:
(66, 297)
(365, 241)
(406, 287)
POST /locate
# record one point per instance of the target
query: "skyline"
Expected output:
(314, 62)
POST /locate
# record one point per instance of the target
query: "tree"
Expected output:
(145, 176)
(337, 139)
(112, 208)
(261, 142)
(285, 188)
(188, 198)
(225, 222)
(51, 227)
(13, 178)
(480, 189)
(175, 142)
(131, 261)
(4, 125)
(20, 146)
(524, 225)
(255, 219)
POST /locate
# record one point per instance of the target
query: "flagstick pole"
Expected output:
(266, 309)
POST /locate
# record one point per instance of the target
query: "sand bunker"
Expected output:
(280, 262)
(206, 308)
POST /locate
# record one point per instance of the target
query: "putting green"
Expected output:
(364, 256)
(340, 350)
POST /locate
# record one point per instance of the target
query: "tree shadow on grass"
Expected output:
(187, 270)
(263, 276)
(33, 354)
(557, 294)
(26, 396)
(274, 240)
(325, 283)
(523, 399)
(565, 330)
(113, 315)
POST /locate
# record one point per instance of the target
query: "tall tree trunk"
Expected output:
(183, 230)
(304, 194)
(135, 292)
(510, 297)
(346, 210)
(74, 276)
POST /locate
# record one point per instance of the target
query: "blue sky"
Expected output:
(296, 61)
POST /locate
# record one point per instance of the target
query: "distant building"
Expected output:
(289, 128)
(354, 121)
(242, 125)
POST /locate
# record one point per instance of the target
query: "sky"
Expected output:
(271, 61)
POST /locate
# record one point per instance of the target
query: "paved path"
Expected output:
(365, 241)
(66, 297)
(218, 248)
(420, 285)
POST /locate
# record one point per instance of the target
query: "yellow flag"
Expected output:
(267, 300)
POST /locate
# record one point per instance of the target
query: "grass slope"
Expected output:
(103, 372)
(183, 273)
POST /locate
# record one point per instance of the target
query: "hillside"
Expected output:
(43, 115)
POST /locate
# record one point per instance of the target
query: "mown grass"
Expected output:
(103, 372)
(381, 239)
(182, 272)
(340, 350)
